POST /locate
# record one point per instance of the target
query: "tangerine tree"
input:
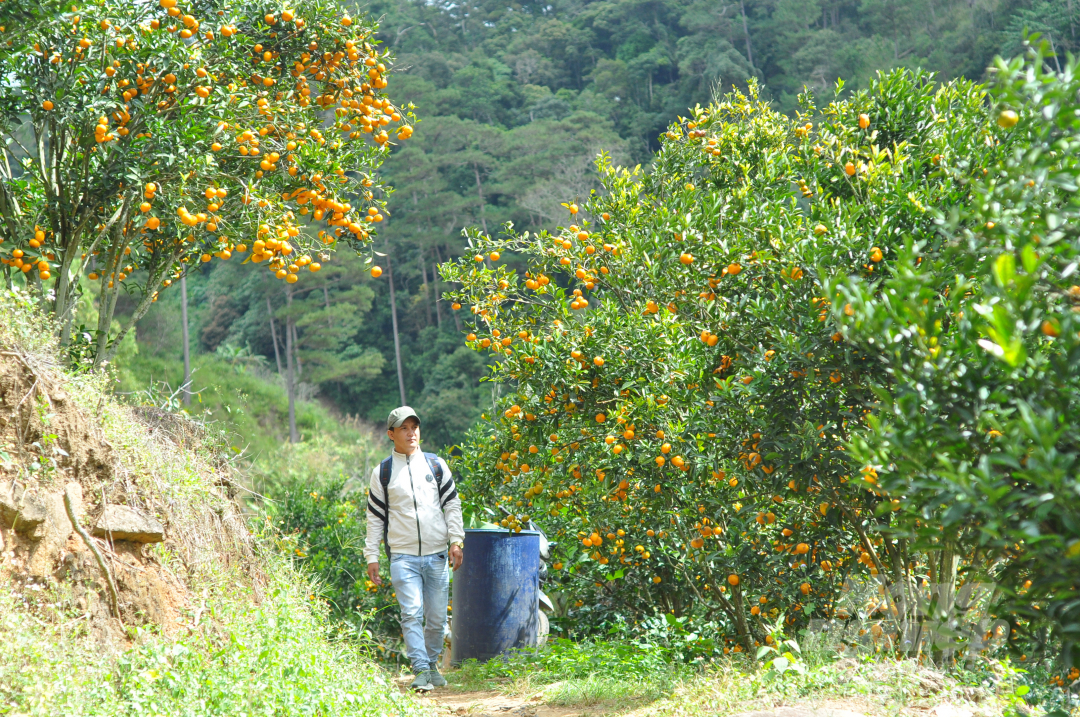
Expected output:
(142, 139)
(681, 393)
(981, 337)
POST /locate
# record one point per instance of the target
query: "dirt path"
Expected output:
(493, 703)
(447, 701)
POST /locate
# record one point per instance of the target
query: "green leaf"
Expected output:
(1004, 269)
(1029, 258)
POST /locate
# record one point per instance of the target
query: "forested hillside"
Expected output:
(514, 101)
(638, 63)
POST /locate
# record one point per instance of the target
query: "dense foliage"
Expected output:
(980, 335)
(687, 379)
(141, 140)
(638, 63)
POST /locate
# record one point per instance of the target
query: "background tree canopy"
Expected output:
(638, 63)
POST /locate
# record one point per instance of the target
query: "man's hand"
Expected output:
(457, 556)
(373, 573)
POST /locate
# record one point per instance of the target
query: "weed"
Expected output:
(600, 689)
(280, 657)
(571, 673)
(622, 675)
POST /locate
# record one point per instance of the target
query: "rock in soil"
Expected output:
(120, 522)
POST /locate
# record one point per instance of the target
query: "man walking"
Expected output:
(413, 507)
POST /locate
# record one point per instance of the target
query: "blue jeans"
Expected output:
(422, 585)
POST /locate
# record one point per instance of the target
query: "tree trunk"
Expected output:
(943, 596)
(290, 376)
(106, 350)
(1053, 49)
(107, 305)
(480, 191)
(435, 289)
(427, 287)
(273, 335)
(67, 282)
(393, 319)
(296, 349)
(185, 393)
(746, 34)
(64, 301)
(742, 627)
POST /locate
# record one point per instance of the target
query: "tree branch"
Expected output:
(113, 594)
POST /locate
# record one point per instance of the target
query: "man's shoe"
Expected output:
(422, 681)
(435, 678)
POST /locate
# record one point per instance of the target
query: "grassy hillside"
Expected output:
(277, 656)
(243, 398)
(208, 620)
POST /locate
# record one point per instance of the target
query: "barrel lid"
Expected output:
(504, 531)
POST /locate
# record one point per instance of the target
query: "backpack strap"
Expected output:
(384, 479)
(446, 492)
(435, 466)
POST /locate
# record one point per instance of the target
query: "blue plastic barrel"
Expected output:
(496, 594)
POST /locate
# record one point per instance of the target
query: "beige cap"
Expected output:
(398, 416)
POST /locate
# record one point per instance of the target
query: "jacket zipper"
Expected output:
(416, 508)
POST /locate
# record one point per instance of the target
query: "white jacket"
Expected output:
(422, 521)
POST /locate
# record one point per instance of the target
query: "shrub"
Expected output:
(183, 132)
(693, 360)
(316, 513)
(975, 437)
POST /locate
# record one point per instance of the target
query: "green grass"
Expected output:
(619, 676)
(602, 690)
(277, 657)
(577, 674)
(249, 402)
